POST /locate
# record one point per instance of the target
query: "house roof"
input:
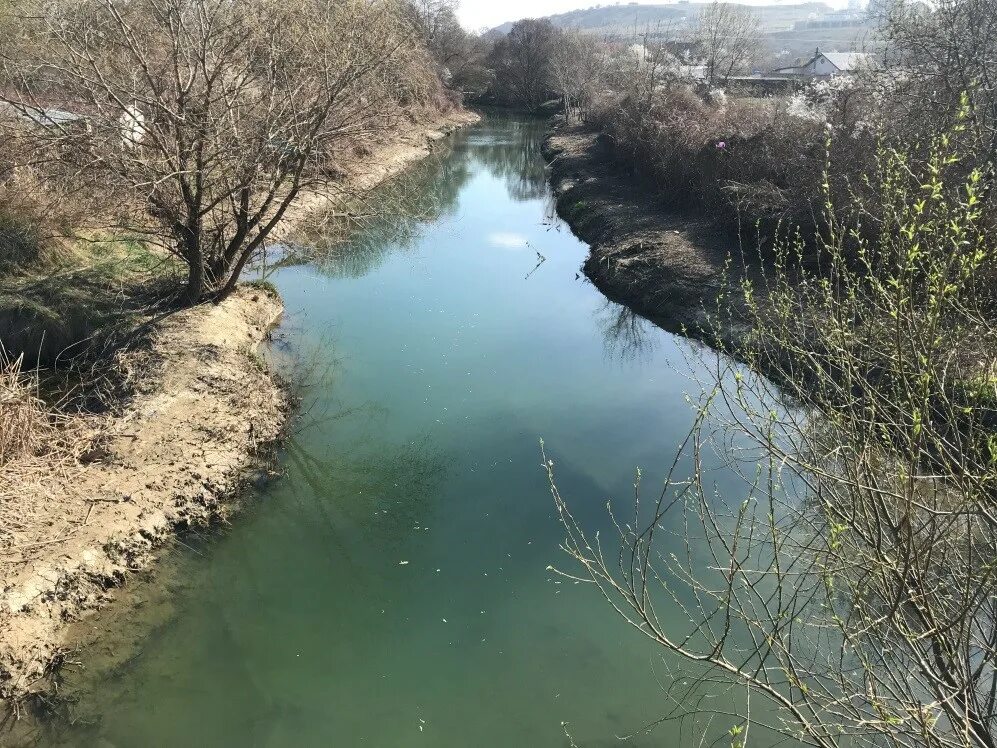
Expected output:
(41, 116)
(848, 60)
(843, 62)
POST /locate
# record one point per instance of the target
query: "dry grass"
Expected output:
(26, 423)
(42, 445)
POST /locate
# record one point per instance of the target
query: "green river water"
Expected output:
(391, 588)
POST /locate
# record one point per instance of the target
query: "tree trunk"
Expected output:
(195, 282)
(233, 278)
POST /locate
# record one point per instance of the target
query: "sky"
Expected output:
(476, 15)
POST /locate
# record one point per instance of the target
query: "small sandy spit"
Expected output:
(200, 411)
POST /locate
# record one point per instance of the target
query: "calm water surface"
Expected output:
(391, 589)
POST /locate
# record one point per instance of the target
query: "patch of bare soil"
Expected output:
(668, 267)
(200, 409)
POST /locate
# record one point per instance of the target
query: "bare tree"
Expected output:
(436, 23)
(577, 65)
(729, 37)
(207, 118)
(638, 76)
(641, 69)
(459, 53)
(430, 16)
(522, 62)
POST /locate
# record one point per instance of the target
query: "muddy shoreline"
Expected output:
(199, 416)
(670, 268)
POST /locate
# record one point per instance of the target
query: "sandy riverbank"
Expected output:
(199, 411)
(197, 415)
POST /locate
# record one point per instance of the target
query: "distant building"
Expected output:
(692, 72)
(837, 19)
(54, 118)
(828, 64)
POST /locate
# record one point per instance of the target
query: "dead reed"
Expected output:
(26, 425)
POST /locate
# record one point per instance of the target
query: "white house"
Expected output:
(133, 128)
(827, 64)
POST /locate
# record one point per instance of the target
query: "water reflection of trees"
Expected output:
(626, 335)
(517, 158)
(336, 450)
(395, 482)
(350, 240)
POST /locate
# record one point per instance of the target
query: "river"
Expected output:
(392, 587)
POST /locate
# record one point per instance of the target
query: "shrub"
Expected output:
(749, 161)
(20, 240)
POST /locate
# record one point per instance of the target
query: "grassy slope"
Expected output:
(57, 297)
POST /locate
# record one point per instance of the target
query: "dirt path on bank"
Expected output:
(670, 268)
(197, 413)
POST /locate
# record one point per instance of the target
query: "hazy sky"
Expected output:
(479, 14)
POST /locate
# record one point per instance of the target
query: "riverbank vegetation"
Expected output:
(715, 146)
(850, 583)
(680, 110)
(234, 112)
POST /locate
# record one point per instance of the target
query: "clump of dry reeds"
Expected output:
(25, 421)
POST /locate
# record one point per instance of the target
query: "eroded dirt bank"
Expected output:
(200, 408)
(198, 411)
(668, 267)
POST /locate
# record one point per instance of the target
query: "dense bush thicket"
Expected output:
(760, 159)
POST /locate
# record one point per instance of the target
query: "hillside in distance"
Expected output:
(618, 20)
